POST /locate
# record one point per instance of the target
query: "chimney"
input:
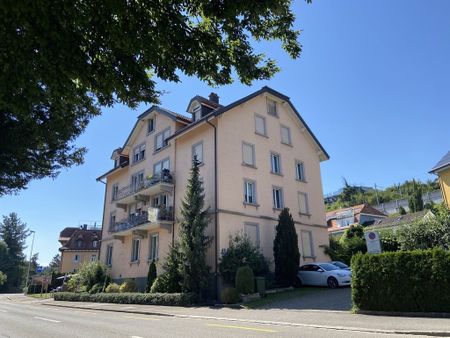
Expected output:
(84, 227)
(214, 98)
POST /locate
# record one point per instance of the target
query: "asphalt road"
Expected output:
(21, 317)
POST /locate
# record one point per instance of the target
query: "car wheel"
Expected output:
(332, 283)
(297, 283)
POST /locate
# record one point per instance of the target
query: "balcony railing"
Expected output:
(163, 177)
(154, 215)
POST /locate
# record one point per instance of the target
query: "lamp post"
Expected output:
(31, 255)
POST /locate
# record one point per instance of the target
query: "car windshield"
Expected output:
(340, 265)
(328, 267)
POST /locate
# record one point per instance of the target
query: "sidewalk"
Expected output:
(338, 320)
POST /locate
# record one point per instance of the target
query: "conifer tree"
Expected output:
(193, 241)
(151, 276)
(285, 250)
(415, 201)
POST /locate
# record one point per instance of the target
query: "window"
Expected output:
(76, 258)
(94, 243)
(154, 247)
(275, 163)
(260, 125)
(112, 219)
(159, 200)
(151, 125)
(137, 181)
(307, 243)
(93, 258)
(285, 135)
(272, 107)
(197, 150)
(303, 203)
(116, 162)
(109, 252)
(277, 197)
(299, 171)
(159, 166)
(139, 153)
(248, 154)
(160, 139)
(249, 192)
(252, 231)
(115, 191)
(135, 246)
(79, 243)
(197, 112)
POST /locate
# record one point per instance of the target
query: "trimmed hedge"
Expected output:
(176, 299)
(407, 281)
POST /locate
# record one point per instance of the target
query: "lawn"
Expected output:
(279, 296)
(41, 296)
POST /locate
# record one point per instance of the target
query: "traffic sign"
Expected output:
(39, 269)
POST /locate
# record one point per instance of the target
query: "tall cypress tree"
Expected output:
(193, 241)
(415, 201)
(285, 249)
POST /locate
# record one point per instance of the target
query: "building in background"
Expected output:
(257, 156)
(442, 170)
(78, 245)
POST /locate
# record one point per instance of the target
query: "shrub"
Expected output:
(96, 288)
(350, 243)
(112, 288)
(241, 251)
(170, 280)
(245, 280)
(174, 299)
(3, 278)
(151, 276)
(89, 274)
(230, 296)
(128, 285)
(34, 288)
(409, 281)
(389, 241)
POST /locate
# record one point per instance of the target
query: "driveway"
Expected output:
(317, 299)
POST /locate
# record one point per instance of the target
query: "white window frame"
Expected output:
(139, 153)
(151, 123)
(111, 216)
(164, 134)
(252, 146)
(135, 252)
(274, 156)
(93, 258)
(153, 253)
(309, 233)
(197, 112)
(109, 253)
(264, 133)
(276, 205)
(248, 182)
(95, 243)
(256, 225)
(161, 165)
(289, 140)
(137, 180)
(300, 174)
(305, 195)
(270, 102)
(194, 151)
(114, 191)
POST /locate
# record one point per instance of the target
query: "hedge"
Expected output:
(406, 281)
(176, 299)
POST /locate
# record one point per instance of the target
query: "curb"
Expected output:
(404, 314)
(266, 322)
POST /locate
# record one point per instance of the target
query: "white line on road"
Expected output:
(48, 320)
(135, 337)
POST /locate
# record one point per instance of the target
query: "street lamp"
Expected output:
(29, 261)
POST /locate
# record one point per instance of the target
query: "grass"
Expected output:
(280, 296)
(41, 296)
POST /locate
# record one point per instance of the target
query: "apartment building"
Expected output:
(257, 156)
(78, 245)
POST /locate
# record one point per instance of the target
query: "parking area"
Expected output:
(317, 298)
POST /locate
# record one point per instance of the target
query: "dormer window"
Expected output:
(94, 243)
(116, 162)
(151, 125)
(197, 112)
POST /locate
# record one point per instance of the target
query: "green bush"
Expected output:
(230, 296)
(389, 241)
(408, 281)
(245, 280)
(89, 274)
(151, 276)
(113, 288)
(241, 251)
(128, 285)
(175, 299)
(96, 288)
(34, 288)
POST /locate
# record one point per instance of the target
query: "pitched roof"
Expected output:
(357, 209)
(399, 220)
(204, 100)
(67, 232)
(86, 236)
(444, 162)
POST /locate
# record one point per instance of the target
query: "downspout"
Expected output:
(174, 188)
(103, 219)
(215, 208)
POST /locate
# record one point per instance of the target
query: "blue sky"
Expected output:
(372, 83)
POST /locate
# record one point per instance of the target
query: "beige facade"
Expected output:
(71, 261)
(258, 156)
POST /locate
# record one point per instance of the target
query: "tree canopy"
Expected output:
(63, 60)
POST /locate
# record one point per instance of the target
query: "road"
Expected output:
(22, 317)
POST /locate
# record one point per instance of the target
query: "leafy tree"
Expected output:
(285, 249)
(55, 263)
(3, 278)
(401, 210)
(350, 243)
(151, 276)
(415, 201)
(63, 61)
(13, 232)
(90, 274)
(193, 241)
(241, 251)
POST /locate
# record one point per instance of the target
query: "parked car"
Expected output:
(341, 265)
(324, 274)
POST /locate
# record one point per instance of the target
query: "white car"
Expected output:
(324, 274)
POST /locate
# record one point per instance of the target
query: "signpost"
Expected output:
(39, 269)
(373, 242)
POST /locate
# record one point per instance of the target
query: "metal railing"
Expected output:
(134, 220)
(131, 189)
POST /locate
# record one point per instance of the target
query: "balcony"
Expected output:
(154, 218)
(141, 191)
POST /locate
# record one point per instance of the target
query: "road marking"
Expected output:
(242, 328)
(128, 307)
(87, 311)
(136, 317)
(135, 337)
(4, 311)
(48, 320)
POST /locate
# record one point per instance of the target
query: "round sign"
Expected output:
(372, 235)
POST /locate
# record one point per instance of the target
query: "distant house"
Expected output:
(78, 246)
(442, 170)
(340, 220)
(394, 222)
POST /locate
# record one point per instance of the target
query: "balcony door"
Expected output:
(137, 181)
